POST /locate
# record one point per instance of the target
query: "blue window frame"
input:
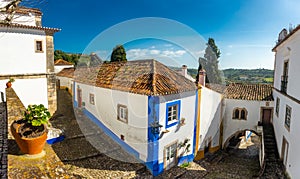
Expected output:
(172, 113)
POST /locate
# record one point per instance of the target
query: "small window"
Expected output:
(92, 99)
(277, 106)
(122, 113)
(38, 46)
(287, 121)
(236, 114)
(172, 113)
(240, 113)
(243, 114)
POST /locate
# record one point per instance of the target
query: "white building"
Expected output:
(149, 109)
(287, 99)
(245, 106)
(65, 79)
(27, 56)
(60, 64)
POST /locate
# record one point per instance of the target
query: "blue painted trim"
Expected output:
(178, 103)
(153, 144)
(195, 122)
(111, 134)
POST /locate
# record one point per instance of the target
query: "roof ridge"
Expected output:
(154, 76)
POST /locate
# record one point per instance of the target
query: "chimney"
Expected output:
(184, 70)
(202, 76)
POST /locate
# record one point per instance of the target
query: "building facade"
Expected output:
(27, 55)
(287, 99)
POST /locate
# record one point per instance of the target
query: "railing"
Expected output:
(284, 81)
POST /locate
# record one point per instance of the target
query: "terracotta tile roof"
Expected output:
(256, 92)
(46, 29)
(62, 62)
(66, 72)
(288, 36)
(146, 77)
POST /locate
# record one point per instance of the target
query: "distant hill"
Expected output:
(260, 75)
(231, 75)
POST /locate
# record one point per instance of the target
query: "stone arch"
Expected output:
(236, 134)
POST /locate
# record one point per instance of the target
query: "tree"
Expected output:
(210, 63)
(118, 54)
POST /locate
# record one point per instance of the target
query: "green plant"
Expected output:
(11, 80)
(185, 165)
(37, 115)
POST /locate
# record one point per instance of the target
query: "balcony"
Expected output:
(284, 81)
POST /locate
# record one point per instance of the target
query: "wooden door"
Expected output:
(79, 97)
(266, 117)
(170, 156)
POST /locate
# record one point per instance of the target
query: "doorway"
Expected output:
(266, 116)
(284, 151)
(79, 97)
(170, 156)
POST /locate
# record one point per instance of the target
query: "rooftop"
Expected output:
(286, 37)
(146, 77)
(255, 92)
(66, 72)
(62, 62)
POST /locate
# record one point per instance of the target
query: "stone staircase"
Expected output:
(3, 141)
(273, 166)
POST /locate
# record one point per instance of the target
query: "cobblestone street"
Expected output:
(75, 157)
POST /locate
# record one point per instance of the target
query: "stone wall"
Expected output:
(52, 102)
(15, 107)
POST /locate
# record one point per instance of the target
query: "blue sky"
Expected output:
(244, 30)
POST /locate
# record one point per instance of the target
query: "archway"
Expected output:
(236, 138)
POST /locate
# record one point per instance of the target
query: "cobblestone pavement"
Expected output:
(3, 141)
(75, 157)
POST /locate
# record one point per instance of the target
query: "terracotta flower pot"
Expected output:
(29, 146)
(8, 84)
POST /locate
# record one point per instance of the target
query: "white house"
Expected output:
(245, 106)
(27, 56)
(65, 79)
(287, 99)
(143, 105)
(61, 64)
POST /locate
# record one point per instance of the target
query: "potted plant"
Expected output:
(9, 83)
(30, 132)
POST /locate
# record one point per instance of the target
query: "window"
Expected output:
(38, 46)
(284, 77)
(243, 114)
(287, 121)
(122, 113)
(236, 114)
(92, 99)
(240, 113)
(277, 106)
(172, 113)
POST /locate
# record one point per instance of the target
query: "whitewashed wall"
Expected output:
(58, 68)
(231, 126)
(19, 18)
(210, 117)
(291, 136)
(105, 109)
(186, 131)
(18, 54)
(64, 81)
(30, 91)
(293, 55)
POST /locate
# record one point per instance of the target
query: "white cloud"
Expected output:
(151, 53)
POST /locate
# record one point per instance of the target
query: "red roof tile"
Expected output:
(62, 62)
(66, 72)
(256, 92)
(146, 77)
